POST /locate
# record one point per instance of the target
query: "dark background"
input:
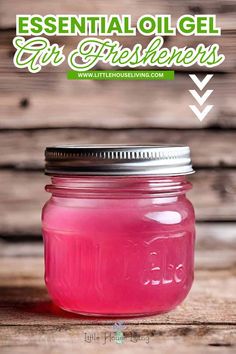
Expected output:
(43, 109)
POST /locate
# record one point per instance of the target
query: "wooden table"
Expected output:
(30, 323)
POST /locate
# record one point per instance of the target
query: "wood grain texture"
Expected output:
(226, 41)
(204, 323)
(26, 148)
(22, 197)
(225, 10)
(215, 236)
(22, 284)
(137, 339)
(50, 100)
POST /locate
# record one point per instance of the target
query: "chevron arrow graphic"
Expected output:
(201, 99)
(203, 83)
(201, 115)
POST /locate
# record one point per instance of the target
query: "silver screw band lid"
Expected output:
(118, 160)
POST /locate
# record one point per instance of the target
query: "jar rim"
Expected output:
(118, 160)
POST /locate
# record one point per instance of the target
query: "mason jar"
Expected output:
(118, 229)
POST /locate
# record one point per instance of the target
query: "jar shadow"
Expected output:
(34, 304)
(48, 308)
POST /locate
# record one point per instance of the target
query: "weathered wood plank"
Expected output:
(137, 339)
(22, 194)
(50, 100)
(226, 42)
(24, 298)
(225, 10)
(208, 148)
(29, 321)
(215, 236)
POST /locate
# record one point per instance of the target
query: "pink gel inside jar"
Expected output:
(118, 246)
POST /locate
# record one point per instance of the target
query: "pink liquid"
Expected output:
(118, 256)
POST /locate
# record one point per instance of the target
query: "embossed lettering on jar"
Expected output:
(118, 229)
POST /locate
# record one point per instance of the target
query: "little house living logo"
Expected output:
(118, 334)
(118, 328)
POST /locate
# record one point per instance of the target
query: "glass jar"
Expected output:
(118, 229)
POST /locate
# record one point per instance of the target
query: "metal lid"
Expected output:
(118, 160)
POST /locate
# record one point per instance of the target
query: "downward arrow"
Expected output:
(201, 115)
(201, 84)
(200, 99)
